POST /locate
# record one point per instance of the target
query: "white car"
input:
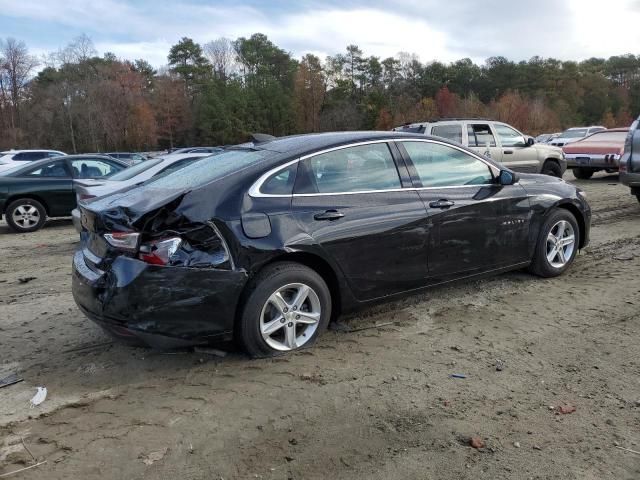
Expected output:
(139, 173)
(14, 158)
(574, 134)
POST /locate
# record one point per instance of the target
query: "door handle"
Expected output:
(508, 152)
(442, 203)
(328, 215)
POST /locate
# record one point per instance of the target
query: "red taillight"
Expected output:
(123, 240)
(159, 252)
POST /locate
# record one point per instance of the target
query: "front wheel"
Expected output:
(552, 168)
(557, 244)
(26, 215)
(583, 173)
(287, 307)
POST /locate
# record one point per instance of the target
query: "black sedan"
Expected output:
(44, 188)
(277, 237)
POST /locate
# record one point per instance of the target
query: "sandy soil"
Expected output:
(375, 404)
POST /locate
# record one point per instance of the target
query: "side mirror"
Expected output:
(507, 177)
(530, 141)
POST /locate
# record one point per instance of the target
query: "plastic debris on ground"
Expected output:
(39, 397)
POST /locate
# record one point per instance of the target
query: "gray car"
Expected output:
(630, 161)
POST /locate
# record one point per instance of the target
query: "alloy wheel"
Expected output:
(290, 317)
(561, 242)
(25, 216)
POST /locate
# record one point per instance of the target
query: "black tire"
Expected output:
(552, 169)
(540, 264)
(263, 286)
(38, 215)
(583, 173)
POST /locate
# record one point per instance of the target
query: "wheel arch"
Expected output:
(31, 196)
(579, 218)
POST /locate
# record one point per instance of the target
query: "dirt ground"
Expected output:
(374, 404)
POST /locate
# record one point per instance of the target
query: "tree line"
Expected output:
(220, 92)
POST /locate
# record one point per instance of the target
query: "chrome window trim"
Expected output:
(254, 190)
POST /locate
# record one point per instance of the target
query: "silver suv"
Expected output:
(630, 161)
(497, 140)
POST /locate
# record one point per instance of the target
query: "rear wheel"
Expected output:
(287, 307)
(557, 244)
(552, 168)
(583, 173)
(26, 215)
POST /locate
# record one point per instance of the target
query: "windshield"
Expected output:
(580, 132)
(131, 172)
(210, 168)
(617, 137)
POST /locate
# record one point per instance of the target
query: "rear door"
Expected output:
(516, 154)
(481, 139)
(351, 200)
(476, 224)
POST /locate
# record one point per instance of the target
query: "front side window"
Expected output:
(480, 135)
(351, 169)
(509, 137)
(439, 165)
(54, 169)
(91, 168)
(450, 132)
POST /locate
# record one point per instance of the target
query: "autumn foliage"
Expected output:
(218, 93)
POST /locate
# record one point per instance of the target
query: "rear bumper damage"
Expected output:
(163, 307)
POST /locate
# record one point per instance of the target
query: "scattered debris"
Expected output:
(499, 365)
(153, 457)
(476, 442)
(87, 347)
(10, 380)
(565, 409)
(28, 451)
(26, 279)
(39, 397)
(210, 351)
(378, 325)
(627, 450)
(516, 444)
(4, 475)
(625, 257)
(537, 447)
(457, 375)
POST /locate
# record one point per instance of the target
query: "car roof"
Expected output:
(308, 143)
(8, 152)
(43, 161)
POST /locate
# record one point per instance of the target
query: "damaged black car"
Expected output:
(276, 237)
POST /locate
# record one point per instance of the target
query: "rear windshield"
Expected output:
(608, 137)
(210, 168)
(581, 132)
(131, 172)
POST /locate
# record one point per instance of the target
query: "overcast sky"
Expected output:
(433, 29)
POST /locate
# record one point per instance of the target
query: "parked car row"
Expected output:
(265, 242)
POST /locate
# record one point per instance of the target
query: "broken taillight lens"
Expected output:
(123, 240)
(159, 252)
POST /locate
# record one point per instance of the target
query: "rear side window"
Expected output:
(439, 165)
(29, 156)
(91, 168)
(480, 135)
(352, 169)
(450, 132)
(280, 183)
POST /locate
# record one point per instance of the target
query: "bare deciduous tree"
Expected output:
(223, 56)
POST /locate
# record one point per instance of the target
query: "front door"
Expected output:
(53, 183)
(516, 153)
(477, 225)
(352, 202)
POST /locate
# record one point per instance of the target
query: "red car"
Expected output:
(600, 151)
